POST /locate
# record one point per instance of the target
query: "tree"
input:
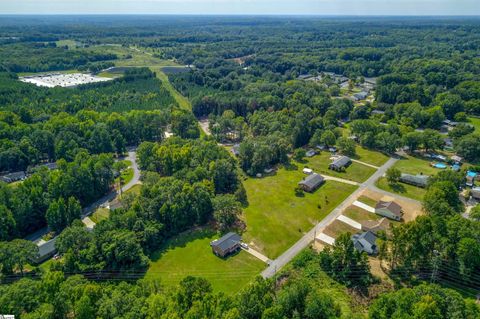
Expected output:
(299, 154)
(346, 146)
(475, 213)
(7, 223)
(393, 175)
(226, 210)
(442, 199)
(328, 138)
(432, 140)
(468, 147)
(413, 140)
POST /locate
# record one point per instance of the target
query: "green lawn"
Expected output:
(355, 172)
(475, 121)
(367, 200)
(190, 254)
(276, 218)
(406, 190)
(415, 165)
(370, 157)
(360, 215)
(71, 44)
(134, 190)
(100, 214)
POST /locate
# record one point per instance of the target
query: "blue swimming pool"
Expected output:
(471, 174)
(440, 165)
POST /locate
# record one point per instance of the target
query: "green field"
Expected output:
(355, 172)
(370, 157)
(100, 214)
(190, 254)
(71, 44)
(359, 215)
(276, 218)
(406, 190)
(337, 228)
(415, 165)
(367, 200)
(475, 121)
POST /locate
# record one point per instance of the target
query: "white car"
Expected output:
(245, 246)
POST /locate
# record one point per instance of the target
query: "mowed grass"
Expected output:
(403, 189)
(355, 172)
(360, 215)
(370, 157)
(100, 214)
(415, 165)
(475, 121)
(276, 218)
(190, 254)
(367, 200)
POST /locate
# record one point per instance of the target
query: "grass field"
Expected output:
(190, 254)
(359, 215)
(367, 200)
(134, 190)
(71, 44)
(406, 190)
(370, 157)
(475, 121)
(415, 165)
(100, 214)
(355, 172)
(276, 218)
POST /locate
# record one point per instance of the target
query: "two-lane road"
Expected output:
(290, 253)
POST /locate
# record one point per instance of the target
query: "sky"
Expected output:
(241, 7)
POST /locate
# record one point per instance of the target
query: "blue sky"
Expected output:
(311, 7)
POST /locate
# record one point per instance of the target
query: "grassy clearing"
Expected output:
(415, 165)
(71, 44)
(190, 254)
(134, 190)
(475, 121)
(359, 214)
(276, 218)
(370, 157)
(337, 228)
(367, 200)
(100, 214)
(406, 190)
(182, 101)
(355, 172)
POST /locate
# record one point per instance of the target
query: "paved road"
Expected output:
(290, 253)
(87, 211)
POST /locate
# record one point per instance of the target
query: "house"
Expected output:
(332, 149)
(311, 153)
(311, 182)
(13, 177)
(236, 149)
(457, 159)
(365, 242)
(228, 244)
(46, 251)
(475, 193)
(389, 209)
(418, 180)
(360, 96)
(448, 143)
(470, 178)
(307, 171)
(450, 123)
(340, 163)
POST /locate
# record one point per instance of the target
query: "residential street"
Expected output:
(290, 253)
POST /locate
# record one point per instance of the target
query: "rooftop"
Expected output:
(227, 241)
(63, 80)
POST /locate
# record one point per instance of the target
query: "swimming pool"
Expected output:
(440, 165)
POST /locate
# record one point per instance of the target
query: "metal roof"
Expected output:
(227, 241)
(312, 180)
(341, 161)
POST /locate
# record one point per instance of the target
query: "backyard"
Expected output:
(189, 254)
(276, 218)
(355, 172)
(370, 157)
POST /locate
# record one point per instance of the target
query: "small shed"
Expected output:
(340, 163)
(365, 242)
(311, 182)
(226, 245)
(390, 210)
(46, 251)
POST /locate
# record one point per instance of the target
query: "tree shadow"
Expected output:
(290, 166)
(398, 188)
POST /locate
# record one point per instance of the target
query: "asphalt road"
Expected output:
(290, 253)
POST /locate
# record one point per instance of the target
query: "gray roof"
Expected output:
(417, 179)
(47, 248)
(341, 161)
(227, 241)
(312, 180)
(393, 207)
(365, 242)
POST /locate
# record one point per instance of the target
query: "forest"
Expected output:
(269, 86)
